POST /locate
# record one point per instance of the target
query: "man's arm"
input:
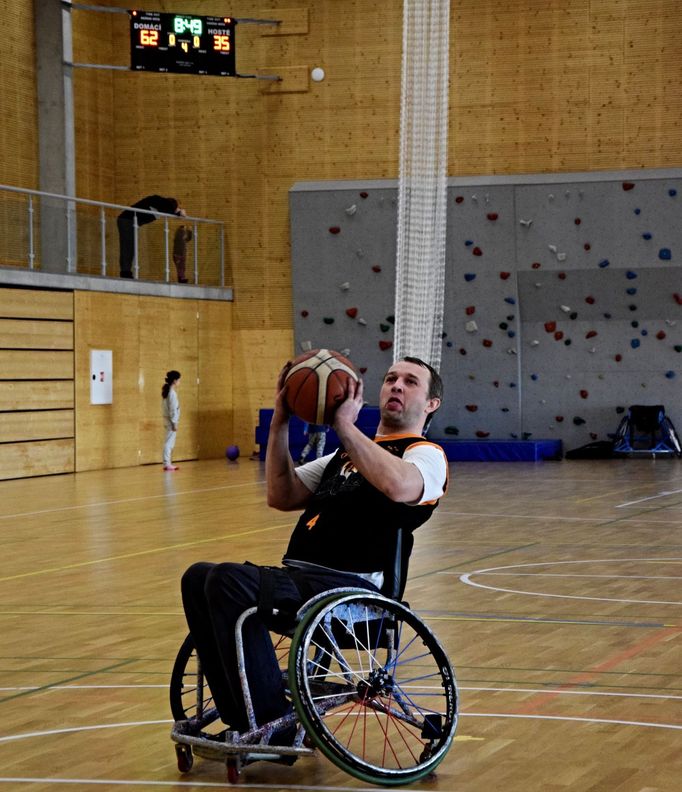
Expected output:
(285, 490)
(399, 480)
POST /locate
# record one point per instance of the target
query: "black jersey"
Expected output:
(156, 203)
(351, 526)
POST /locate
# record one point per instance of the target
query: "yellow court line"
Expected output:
(615, 492)
(139, 553)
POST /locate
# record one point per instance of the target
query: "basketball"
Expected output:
(232, 452)
(316, 383)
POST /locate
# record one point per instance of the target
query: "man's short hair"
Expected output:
(435, 384)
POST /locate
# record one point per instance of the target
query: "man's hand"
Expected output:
(282, 410)
(347, 412)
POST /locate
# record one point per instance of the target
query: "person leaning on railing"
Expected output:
(126, 231)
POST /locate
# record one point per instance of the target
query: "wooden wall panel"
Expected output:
(31, 364)
(155, 338)
(216, 422)
(107, 434)
(40, 458)
(35, 334)
(184, 358)
(37, 425)
(30, 395)
(35, 304)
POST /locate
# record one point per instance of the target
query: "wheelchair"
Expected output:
(371, 687)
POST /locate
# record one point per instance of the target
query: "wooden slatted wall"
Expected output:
(36, 383)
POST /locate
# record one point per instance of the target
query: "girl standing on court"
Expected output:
(170, 409)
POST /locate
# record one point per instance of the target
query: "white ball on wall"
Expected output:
(317, 74)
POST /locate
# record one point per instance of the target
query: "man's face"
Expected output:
(404, 401)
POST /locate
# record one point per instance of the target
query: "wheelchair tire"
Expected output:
(383, 703)
(183, 684)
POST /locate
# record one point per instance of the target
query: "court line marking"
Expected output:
(646, 724)
(466, 579)
(128, 500)
(609, 577)
(558, 691)
(150, 551)
(558, 518)
(663, 494)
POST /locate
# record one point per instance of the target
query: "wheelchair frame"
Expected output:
(362, 668)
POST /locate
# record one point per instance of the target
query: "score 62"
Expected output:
(149, 38)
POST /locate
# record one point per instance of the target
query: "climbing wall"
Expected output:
(563, 297)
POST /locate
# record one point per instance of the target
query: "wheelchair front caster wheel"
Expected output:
(233, 771)
(185, 759)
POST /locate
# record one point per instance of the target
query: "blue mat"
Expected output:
(455, 450)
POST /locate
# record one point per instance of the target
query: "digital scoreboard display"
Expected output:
(182, 44)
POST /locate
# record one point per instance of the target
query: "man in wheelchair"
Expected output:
(355, 503)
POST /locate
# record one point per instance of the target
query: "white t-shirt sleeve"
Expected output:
(311, 473)
(430, 460)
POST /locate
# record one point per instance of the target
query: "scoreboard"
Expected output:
(182, 44)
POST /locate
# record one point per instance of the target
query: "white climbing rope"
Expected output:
(420, 265)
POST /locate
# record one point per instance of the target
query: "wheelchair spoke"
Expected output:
(373, 688)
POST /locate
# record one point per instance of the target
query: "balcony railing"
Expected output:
(59, 233)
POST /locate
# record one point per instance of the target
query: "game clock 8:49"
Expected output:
(182, 44)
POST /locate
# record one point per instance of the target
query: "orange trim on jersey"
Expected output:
(420, 441)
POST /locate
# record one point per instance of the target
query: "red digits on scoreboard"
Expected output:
(149, 38)
(221, 43)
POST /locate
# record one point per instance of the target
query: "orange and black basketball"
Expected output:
(316, 383)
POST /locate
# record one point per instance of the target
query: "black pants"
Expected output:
(214, 596)
(126, 243)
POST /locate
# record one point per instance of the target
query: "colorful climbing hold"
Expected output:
(328, 320)
(578, 421)
(352, 312)
(665, 254)
(363, 194)
(670, 375)
(631, 291)
(304, 313)
(363, 369)
(384, 327)
(559, 418)
(470, 310)
(334, 230)
(510, 300)
(632, 307)
(590, 300)
(390, 318)
(504, 275)
(672, 192)
(534, 377)
(584, 394)
(376, 268)
(480, 433)
(384, 345)
(492, 216)
(559, 335)
(468, 242)
(459, 199)
(587, 246)
(550, 327)
(573, 315)
(678, 298)
(577, 221)
(536, 265)
(477, 251)
(487, 343)
(561, 275)
(630, 275)
(634, 343)
(453, 430)
(591, 334)
(660, 335)
(627, 185)
(469, 276)
(472, 407)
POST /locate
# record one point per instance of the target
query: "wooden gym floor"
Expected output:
(555, 588)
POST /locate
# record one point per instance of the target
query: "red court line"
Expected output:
(539, 701)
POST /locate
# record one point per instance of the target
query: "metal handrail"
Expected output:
(71, 201)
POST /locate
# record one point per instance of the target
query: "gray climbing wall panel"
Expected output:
(563, 296)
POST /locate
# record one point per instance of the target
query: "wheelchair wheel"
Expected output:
(381, 703)
(190, 696)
